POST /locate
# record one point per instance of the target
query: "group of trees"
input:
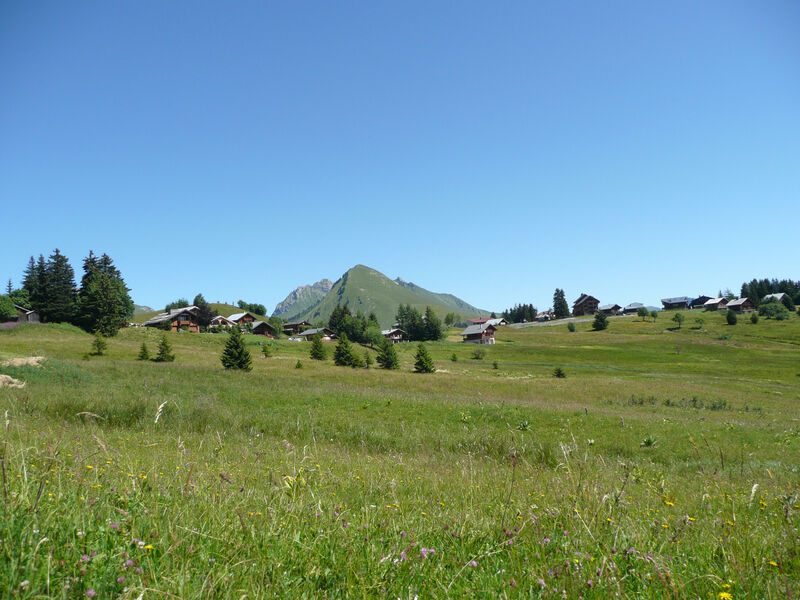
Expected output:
(102, 303)
(356, 327)
(756, 289)
(520, 313)
(419, 327)
(252, 307)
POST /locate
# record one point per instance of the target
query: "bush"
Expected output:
(266, 350)
(679, 319)
(699, 322)
(423, 362)
(774, 310)
(731, 317)
(559, 373)
(368, 362)
(298, 364)
(454, 357)
(235, 355)
(571, 327)
(754, 318)
(478, 354)
(144, 353)
(164, 351)
(600, 322)
(7, 310)
(99, 345)
(642, 312)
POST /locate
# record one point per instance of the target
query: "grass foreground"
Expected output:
(666, 464)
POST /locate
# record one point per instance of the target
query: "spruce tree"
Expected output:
(318, 349)
(387, 355)
(235, 354)
(144, 353)
(104, 302)
(433, 325)
(600, 322)
(164, 351)
(560, 306)
(99, 345)
(206, 313)
(423, 362)
(59, 302)
(343, 355)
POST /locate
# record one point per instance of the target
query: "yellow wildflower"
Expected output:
(725, 596)
(772, 563)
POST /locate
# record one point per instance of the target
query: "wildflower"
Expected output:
(512, 582)
(472, 563)
(545, 541)
(725, 596)
(665, 525)
(89, 468)
(541, 583)
(24, 584)
(403, 556)
(424, 552)
(148, 547)
(120, 580)
(129, 563)
(772, 563)
(114, 526)
(90, 593)
(85, 558)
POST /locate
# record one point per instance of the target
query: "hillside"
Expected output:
(368, 290)
(223, 309)
(301, 299)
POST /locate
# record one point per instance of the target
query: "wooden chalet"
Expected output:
(179, 319)
(242, 318)
(544, 316)
(585, 305)
(395, 335)
(496, 321)
(610, 309)
(263, 328)
(779, 297)
(295, 328)
(699, 302)
(679, 302)
(715, 303)
(324, 333)
(741, 305)
(220, 321)
(632, 308)
(25, 315)
(479, 334)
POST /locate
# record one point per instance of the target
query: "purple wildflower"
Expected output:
(114, 526)
(424, 552)
(120, 580)
(541, 583)
(90, 593)
(138, 570)
(85, 558)
(546, 541)
(473, 563)
(129, 563)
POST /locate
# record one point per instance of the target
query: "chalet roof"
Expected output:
(676, 300)
(713, 301)
(635, 305)
(177, 311)
(257, 324)
(295, 323)
(236, 317)
(221, 318)
(779, 297)
(496, 322)
(392, 330)
(27, 311)
(738, 301)
(169, 316)
(316, 331)
(609, 307)
(583, 298)
(478, 328)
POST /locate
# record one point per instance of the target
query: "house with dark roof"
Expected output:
(177, 319)
(679, 302)
(610, 309)
(395, 335)
(324, 333)
(632, 308)
(242, 318)
(263, 328)
(741, 305)
(479, 334)
(699, 302)
(585, 305)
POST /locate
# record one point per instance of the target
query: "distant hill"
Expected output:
(301, 299)
(139, 309)
(368, 290)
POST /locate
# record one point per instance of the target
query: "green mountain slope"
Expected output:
(368, 290)
(301, 299)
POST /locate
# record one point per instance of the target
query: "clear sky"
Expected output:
(631, 150)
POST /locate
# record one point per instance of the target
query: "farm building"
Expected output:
(323, 332)
(610, 309)
(295, 328)
(26, 315)
(741, 305)
(545, 315)
(263, 328)
(585, 305)
(479, 334)
(497, 322)
(632, 308)
(395, 335)
(678, 302)
(180, 319)
(242, 318)
(220, 321)
(699, 302)
(779, 297)
(715, 303)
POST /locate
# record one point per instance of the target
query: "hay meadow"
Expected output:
(666, 464)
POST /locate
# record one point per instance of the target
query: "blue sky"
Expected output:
(629, 150)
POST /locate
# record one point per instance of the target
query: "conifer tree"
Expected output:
(433, 325)
(600, 322)
(99, 345)
(387, 356)
(235, 354)
(56, 287)
(104, 302)
(318, 349)
(206, 313)
(343, 355)
(164, 351)
(560, 306)
(423, 363)
(144, 353)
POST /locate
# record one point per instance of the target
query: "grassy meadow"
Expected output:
(666, 464)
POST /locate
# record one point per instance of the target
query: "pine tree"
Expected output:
(99, 345)
(343, 355)
(164, 351)
(59, 302)
(144, 353)
(104, 302)
(387, 355)
(206, 313)
(235, 354)
(560, 306)
(9, 287)
(423, 362)
(318, 349)
(600, 322)
(433, 325)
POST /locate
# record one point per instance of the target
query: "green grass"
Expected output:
(665, 464)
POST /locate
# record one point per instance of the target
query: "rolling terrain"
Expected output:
(665, 464)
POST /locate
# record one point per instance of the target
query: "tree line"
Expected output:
(756, 289)
(520, 313)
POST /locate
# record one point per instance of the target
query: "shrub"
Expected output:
(164, 351)
(235, 355)
(387, 355)
(7, 310)
(731, 317)
(298, 364)
(654, 315)
(317, 349)
(454, 357)
(774, 310)
(559, 373)
(99, 345)
(678, 318)
(478, 354)
(266, 350)
(648, 442)
(423, 362)
(368, 362)
(600, 322)
(495, 365)
(699, 322)
(571, 327)
(642, 312)
(144, 353)
(754, 318)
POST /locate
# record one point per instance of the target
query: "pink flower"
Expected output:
(90, 593)
(473, 563)
(424, 552)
